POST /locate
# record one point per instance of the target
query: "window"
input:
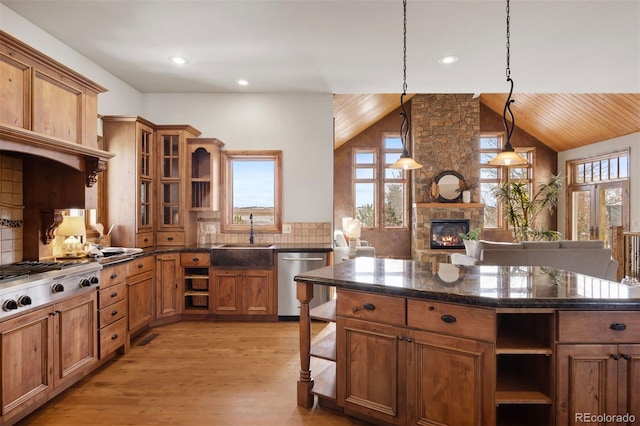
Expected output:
(380, 193)
(252, 182)
(492, 176)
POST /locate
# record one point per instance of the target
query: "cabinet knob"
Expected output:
(114, 337)
(140, 265)
(114, 294)
(409, 339)
(400, 338)
(625, 356)
(114, 276)
(618, 326)
(114, 313)
(170, 238)
(195, 259)
(449, 319)
(615, 356)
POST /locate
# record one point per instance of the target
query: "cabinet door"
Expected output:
(76, 343)
(629, 380)
(450, 380)
(587, 382)
(258, 296)
(371, 364)
(57, 108)
(15, 79)
(26, 352)
(168, 285)
(227, 292)
(145, 152)
(140, 299)
(170, 192)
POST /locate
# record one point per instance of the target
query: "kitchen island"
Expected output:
(419, 343)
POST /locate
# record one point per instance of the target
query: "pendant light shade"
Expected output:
(508, 156)
(405, 162)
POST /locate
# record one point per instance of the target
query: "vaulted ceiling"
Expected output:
(560, 121)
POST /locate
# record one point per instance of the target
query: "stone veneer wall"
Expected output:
(445, 134)
(11, 209)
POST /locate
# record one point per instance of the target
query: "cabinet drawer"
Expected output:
(113, 275)
(144, 240)
(598, 326)
(195, 259)
(140, 265)
(112, 337)
(371, 307)
(112, 313)
(109, 296)
(457, 320)
(170, 238)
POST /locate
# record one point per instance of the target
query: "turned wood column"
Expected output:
(304, 293)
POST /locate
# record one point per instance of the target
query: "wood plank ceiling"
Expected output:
(561, 121)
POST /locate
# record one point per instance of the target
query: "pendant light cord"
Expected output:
(507, 106)
(404, 127)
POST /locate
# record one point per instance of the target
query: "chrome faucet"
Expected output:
(251, 228)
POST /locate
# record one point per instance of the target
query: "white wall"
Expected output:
(299, 125)
(631, 141)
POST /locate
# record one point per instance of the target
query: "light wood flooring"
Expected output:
(196, 373)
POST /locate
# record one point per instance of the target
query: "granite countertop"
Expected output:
(490, 286)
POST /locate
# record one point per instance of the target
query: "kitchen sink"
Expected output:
(253, 256)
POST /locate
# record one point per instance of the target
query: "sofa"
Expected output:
(585, 257)
(341, 247)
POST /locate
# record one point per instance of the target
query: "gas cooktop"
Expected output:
(26, 268)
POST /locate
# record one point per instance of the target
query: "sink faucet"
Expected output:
(251, 228)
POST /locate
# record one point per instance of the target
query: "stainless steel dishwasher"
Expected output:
(292, 264)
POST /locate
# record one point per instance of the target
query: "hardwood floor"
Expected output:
(196, 373)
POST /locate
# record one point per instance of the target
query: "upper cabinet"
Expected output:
(172, 182)
(130, 207)
(43, 96)
(204, 173)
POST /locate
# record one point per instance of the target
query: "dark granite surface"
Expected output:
(490, 286)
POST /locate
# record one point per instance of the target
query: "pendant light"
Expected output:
(405, 162)
(508, 156)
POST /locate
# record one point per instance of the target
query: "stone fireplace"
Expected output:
(445, 233)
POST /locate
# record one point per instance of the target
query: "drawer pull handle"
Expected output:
(618, 326)
(195, 259)
(140, 265)
(170, 238)
(114, 294)
(114, 276)
(369, 306)
(614, 356)
(114, 313)
(449, 319)
(625, 356)
(114, 337)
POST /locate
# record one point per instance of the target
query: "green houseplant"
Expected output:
(522, 210)
(470, 240)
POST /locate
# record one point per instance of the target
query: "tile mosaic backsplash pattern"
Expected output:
(11, 209)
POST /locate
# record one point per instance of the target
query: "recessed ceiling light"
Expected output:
(178, 60)
(243, 82)
(448, 60)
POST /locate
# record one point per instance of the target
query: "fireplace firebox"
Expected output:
(445, 233)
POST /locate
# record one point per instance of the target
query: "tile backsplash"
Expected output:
(11, 209)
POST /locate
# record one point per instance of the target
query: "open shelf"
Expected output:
(524, 379)
(525, 334)
(324, 312)
(324, 384)
(325, 348)
(523, 415)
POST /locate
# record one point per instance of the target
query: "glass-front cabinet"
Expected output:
(172, 178)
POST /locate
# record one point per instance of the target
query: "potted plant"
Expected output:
(470, 240)
(522, 210)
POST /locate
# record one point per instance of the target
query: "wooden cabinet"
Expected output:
(168, 293)
(244, 292)
(44, 96)
(140, 293)
(196, 270)
(420, 374)
(600, 376)
(62, 347)
(204, 174)
(112, 310)
(130, 207)
(172, 183)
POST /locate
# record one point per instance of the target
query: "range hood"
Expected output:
(86, 159)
